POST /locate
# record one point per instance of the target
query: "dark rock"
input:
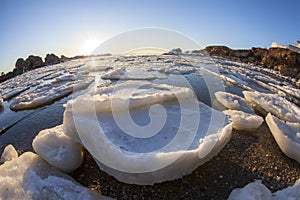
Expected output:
(34, 62)
(21, 64)
(174, 52)
(51, 59)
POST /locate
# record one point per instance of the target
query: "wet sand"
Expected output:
(247, 156)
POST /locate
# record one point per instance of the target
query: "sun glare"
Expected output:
(89, 46)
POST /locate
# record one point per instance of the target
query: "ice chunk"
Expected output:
(290, 193)
(252, 191)
(133, 74)
(186, 134)
(8, 154)
(178, 70)
(285, 134)
(47, 94)
(58, 150)
(65, 77)
(233, 102)
(14, 92)
(244, 121)
(274, 104)
(258, 191)
(1, 102)
(29, 177)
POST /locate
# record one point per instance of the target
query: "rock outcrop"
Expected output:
(284, 60)
(51, 59)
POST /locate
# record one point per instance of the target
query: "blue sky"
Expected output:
(72, 27)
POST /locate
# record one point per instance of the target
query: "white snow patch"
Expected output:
(244, 121)
(274, 104)
(285, 134)
(58, 149)
(8, 154)
(233, 102)
(29, 177)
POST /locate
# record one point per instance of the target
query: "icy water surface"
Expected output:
(20, 127)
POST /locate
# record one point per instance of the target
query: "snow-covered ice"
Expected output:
(59, 150)
(244, 121)
(29, 177)
(13, 92)
(133, 74)
(45, 94)
(8, 154)
(278, 106)
(286, 135)
(234, 102)
(258, 191)
(133, 154)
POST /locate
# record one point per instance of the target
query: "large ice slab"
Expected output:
(258, 191)
(59, 150)
(244, 121)
(233, 102)
(287, 136)
(166, 135)
(28, 177)
(48, 93)
(278, 106)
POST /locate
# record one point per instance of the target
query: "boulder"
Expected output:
(34, 62)
(21, 64)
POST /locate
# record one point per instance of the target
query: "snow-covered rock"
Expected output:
(144, 133)
(287, 136)
(244, 121)
(258, 191)
(252, 191)
(28, 177)
(58, 149)
(49, 93)
(8, 154)
(233, 102)
(278, 106)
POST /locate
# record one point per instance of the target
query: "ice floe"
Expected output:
(244, 121)
(287, 136)
(133, 74)
(234, 102)
(59, 150)
(48, 93)
(278, 106)
(185, 133)
(29, 177)
(258, 191)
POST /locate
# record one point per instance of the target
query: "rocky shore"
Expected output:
(286, 61)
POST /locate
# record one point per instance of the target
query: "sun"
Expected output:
(89, 46)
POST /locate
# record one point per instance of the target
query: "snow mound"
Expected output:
(258, 191)
(187, 132)
(28, 177)
(286, 135)
(244, 121)
(58, 150)
(233, 102)
(272, 103)
(46, 94)
(132, 74)
(8, 154)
